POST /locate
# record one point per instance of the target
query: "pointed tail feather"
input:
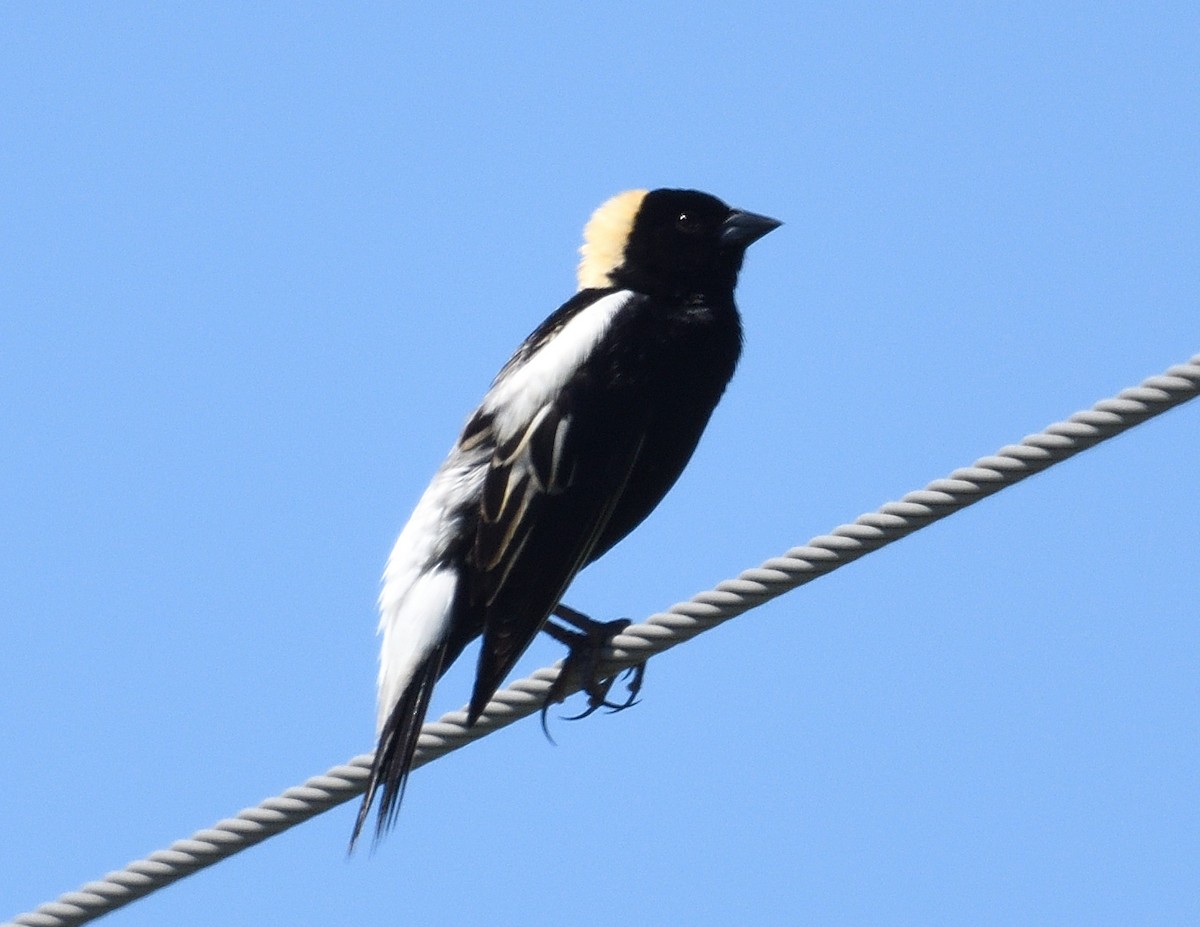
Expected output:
(397, 745)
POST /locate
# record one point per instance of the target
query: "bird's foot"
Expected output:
(587, 640)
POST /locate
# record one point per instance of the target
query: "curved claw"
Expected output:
(599, 699)
(586, 647)
(546, 727)
(591, 709)
(634, 686)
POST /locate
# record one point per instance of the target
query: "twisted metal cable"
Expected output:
(683, 621)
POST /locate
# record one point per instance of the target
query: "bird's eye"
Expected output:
(687, 223)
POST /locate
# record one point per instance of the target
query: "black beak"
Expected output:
(742, 229)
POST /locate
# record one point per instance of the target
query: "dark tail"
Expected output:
(397, 744)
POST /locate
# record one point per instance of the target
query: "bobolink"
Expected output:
(580, 436)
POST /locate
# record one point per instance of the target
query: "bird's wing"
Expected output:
(542, 512)
(562, 456)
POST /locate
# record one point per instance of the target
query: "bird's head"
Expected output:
(668, 242)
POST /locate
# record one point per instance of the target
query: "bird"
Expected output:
(581, 434)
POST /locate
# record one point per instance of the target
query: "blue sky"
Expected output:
(260, 261)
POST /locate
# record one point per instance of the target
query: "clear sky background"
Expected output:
(259, 262)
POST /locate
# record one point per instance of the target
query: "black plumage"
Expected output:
(581, 435)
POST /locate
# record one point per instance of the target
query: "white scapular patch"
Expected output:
(604, 238)
(522, 392)
(417, 596)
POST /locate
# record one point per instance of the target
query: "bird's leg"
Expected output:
(586, 640)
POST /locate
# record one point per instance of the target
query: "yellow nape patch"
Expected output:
(604, 238)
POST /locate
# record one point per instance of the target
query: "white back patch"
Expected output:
(524, 390)
(416, 599)
(411, 628)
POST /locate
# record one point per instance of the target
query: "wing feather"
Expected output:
(524, 470)
(524, 560)
(563, 440)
